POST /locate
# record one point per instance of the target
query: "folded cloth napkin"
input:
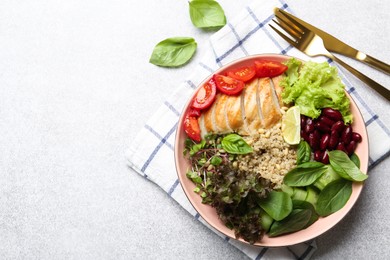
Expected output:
(151, 152)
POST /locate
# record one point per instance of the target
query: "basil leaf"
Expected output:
(303, 152)
(277, 204)
(341, 163)
(304, 174)
(206, 14)
(297, 220)
(333, 197)
(173, 52)
(234, 144)
(301, 204)
(355, 159)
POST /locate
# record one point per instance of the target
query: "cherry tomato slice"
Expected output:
(228, 85)
(205, 96)
(270, 69)
(191, 127)
(244, 74)
(194, 112)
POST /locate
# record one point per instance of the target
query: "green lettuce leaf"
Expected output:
(313, 86)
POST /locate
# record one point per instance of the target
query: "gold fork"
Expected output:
(311, 44)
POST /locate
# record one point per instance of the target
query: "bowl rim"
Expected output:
(335, 218)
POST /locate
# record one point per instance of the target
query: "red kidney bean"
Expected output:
(314, 140)
(326, 120)
(304, 136)
(303, 121)
(322, 127)
(338, 126)
(341, 147)
(309, 127)
(332, 114)
(351, 147)
(333, 140)
(346, 135)
(318, 155)
(325, 158)
(324, 141)
(356, 137)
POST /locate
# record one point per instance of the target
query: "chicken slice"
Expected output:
(253, 118)
(269, 106)
(219, 113)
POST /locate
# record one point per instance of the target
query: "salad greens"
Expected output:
(303, 152)
(302, 204)
(313, 86)
(233, 193)
(304, 174)
(333, 197)
(355, 159)
(297, 220)
(326, 178)
(346, 168)
(250, 206)
(278, 205)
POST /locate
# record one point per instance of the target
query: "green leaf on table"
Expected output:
(173, 52)
(346, 168)
(207, 14)
(235, 144)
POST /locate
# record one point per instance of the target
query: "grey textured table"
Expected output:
(76, 86)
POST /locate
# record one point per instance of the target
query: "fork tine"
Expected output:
(289, 17)
(286, 38)
(289, 28)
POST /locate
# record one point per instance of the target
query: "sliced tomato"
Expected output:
(270, 69)
(205, 96)
(244, 74)
(191, 127)
(194, 112)
(228, 85)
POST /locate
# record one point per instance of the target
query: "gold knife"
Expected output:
(335, 45)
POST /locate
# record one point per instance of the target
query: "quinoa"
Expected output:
(272, 157)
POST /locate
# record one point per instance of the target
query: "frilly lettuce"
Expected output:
(314, 86)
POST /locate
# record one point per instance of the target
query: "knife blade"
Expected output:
(335, 45)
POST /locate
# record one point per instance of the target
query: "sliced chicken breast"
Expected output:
(258, 106)
(234, 113)
(253, 119)
(220, 114)
(270, 109)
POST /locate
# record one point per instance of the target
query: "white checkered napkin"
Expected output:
(151, 152)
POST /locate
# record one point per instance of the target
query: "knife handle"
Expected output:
(373, 84)
(373, 62)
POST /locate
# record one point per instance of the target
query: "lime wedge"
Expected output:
(291, 125)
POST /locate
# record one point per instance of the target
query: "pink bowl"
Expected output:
(209, 214)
